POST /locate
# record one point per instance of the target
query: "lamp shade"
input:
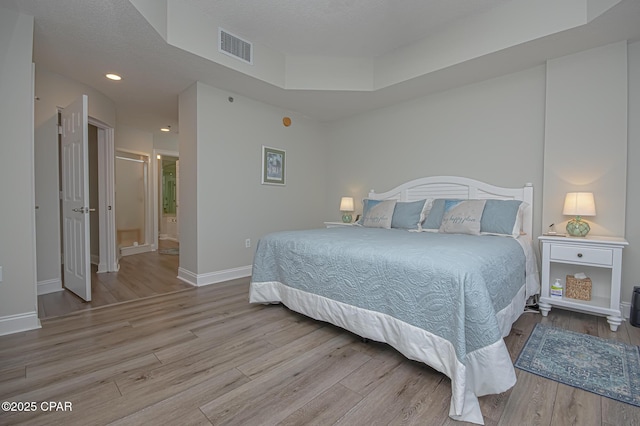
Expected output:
(346, 204)
(579, 204)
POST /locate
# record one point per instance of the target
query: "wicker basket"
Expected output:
(577, 288)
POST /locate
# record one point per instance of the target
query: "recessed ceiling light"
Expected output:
(165, 129)
(115, 77)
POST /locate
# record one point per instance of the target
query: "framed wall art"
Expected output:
(273, 166)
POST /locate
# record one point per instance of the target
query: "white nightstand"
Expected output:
(337, 224)
(600, 258)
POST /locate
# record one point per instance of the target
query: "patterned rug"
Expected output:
(604, 367)
(172, 251)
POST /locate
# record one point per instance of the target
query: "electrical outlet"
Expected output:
(247, 242)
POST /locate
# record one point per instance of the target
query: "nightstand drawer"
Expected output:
(593, 256)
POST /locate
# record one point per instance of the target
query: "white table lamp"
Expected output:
(346, 207)
(579, 204)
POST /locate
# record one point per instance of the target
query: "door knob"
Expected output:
(83, 210)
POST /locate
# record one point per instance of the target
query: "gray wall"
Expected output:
(492, 131)
(631, 255)
(18, 303)
(222, 200)
(586, 136)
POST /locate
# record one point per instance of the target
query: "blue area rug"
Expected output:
(604, 367)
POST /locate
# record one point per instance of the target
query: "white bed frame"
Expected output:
(460, 188)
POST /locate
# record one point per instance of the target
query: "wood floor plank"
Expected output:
(126, 406)
(326, 409)
(180, 407)
(192, 369)
(621, 335)
(12, 373)
(633, 333)
(373, 373)
(272, 397)
(531, 401)
(48, 347)
(58, 388)
(576, 407)
(404, 392)
(227, 333)
(81, 400)
(283, 354)
(619, 413)
(122, 347)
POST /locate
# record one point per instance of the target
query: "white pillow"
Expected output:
(379, 215)
(463, 217)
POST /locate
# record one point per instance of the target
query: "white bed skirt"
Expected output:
(488, 370)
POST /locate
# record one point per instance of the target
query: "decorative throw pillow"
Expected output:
(378, 214)
(366, 205)
(502, 217)
(410, 215)
(434, 216)
(462, 217)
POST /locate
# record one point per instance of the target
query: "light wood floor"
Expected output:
(206, 356)
(141, 275)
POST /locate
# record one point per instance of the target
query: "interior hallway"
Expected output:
(140, 276)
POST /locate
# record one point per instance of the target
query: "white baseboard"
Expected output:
(626, 309)
(49, 286)
(102, 268)
(199, 280)
(20, 322)
(128, 251)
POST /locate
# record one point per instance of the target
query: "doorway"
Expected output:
(83, 182)
(133, 207)
(167, 207)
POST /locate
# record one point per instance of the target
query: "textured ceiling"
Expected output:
(338, 27)
(84, 39)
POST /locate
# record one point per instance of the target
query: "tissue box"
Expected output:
(577, 288)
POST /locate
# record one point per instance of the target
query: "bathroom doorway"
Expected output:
(132, 202)
(167, 201)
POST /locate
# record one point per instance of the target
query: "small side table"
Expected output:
(600, 258)
(337, 224)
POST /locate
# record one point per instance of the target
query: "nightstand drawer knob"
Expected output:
(579, 254)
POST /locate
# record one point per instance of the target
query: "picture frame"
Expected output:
(273, 166)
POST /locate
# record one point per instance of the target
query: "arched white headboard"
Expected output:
(460, 188)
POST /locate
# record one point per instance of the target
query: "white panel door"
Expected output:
(75, 198)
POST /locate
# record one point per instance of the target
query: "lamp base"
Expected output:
(578, 227)
(346, 217)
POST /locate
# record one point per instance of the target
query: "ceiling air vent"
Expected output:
(232, 45)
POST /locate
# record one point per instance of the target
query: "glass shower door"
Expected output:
(132, 199)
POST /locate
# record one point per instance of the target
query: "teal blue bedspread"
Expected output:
(451, 285)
